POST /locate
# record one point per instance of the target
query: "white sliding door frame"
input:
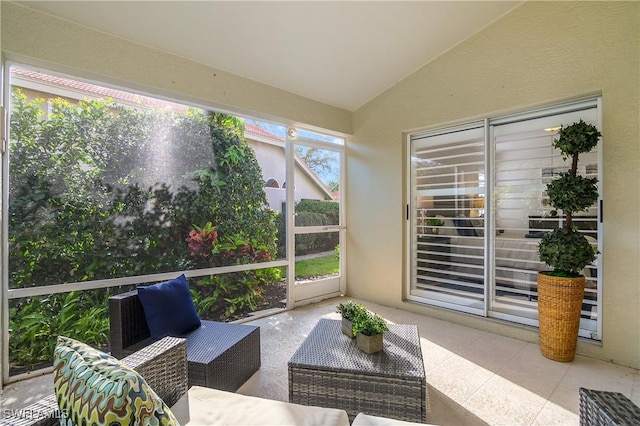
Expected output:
(506, 297)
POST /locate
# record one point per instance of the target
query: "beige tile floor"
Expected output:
(473, 377)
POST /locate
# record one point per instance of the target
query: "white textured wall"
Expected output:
(79, 50)
(540, 53)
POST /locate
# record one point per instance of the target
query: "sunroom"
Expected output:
(472, 117)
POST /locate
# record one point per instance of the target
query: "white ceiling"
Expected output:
(339, 53)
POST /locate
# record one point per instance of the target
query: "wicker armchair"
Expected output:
(219, 355)
(162, 364)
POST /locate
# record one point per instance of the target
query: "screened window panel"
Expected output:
(118, 185)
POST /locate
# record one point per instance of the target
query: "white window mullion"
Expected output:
(488, 218)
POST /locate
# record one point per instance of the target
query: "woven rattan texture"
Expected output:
(223, 356)
(127, 322)
(330, 371)
(162, 364)
(559, 305)
(601, 408)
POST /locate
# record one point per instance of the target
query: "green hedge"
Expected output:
(91, 198)
(311, 213)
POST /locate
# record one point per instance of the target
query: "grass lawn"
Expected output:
(319, 266)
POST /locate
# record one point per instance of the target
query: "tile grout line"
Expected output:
(546, 402)
(494, 374)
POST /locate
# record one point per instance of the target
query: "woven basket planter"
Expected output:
(559, 306)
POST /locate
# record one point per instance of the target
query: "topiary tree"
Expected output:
(566, 250)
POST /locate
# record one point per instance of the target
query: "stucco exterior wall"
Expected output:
(539, 54)
(272, 162)
(66, 47)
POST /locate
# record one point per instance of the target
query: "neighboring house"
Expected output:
(268, 148)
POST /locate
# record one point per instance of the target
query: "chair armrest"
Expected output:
(127, 323)
(162, 364)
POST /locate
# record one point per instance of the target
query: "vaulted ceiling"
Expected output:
(336, 52)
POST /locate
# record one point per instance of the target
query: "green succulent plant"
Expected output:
(566, 250)
(369, 323)
(350, 309)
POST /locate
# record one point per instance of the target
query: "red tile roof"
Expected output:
(259, 131)
(93, 90)
(117, 95)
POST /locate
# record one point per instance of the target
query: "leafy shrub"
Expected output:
(226, 293)
(281, 234)
(567, 250)
(310, 213)
(34, 321)
(314, 243)
(330, 209)
(90, 198)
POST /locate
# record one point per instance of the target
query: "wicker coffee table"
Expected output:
(328, 370)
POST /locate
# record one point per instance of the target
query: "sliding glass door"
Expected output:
(524, 162)
(477, 209)
(447, 200)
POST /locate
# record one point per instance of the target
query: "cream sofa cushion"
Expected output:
(204, 406)
(368, 420)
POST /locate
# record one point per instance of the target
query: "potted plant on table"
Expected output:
(349, 310)
(566, 250)
(433, 225)
(368, 329)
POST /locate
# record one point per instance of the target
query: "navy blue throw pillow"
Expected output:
(464, 227)
(168, 308)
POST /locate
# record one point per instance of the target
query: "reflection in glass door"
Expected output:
(524, 162)
(447, 213)
(477, 209)
(315, 168)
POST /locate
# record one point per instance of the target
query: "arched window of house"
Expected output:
(272, 183)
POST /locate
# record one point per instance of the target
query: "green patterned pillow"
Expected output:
(93, 388)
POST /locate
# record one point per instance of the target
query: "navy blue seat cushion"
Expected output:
(168, 308)
(464, 227)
